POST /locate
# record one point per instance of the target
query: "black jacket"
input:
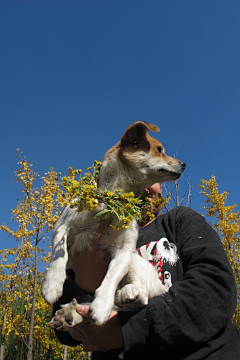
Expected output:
(193, 320)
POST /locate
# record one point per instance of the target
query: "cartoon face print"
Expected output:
(158, 253)
(167, 279)
(168, 251)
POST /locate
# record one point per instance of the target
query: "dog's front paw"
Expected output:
(100, 310)
(52, 292)
(66, 317)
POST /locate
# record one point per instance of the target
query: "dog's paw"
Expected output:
(66, 317)
(52, 288)
(52, 292)
(131, 297)
(100, 310)
(127, 294)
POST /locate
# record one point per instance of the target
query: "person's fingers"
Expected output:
(84, 311)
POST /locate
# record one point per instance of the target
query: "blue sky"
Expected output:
(76, 74)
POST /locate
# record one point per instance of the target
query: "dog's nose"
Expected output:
(182, 164)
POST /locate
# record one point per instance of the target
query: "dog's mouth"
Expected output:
(173, 174)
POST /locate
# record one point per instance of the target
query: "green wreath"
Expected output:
(125, 206)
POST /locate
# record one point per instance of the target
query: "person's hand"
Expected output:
(98, 338)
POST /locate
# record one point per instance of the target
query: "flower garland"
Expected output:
(124, 205)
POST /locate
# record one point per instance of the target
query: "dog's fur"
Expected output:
(135, 163)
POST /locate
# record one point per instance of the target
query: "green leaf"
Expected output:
(102, 214)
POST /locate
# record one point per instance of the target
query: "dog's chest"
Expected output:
(83, 234)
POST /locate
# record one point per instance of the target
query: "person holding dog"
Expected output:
(192, 321)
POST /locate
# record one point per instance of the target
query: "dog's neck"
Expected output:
(104, 223)
(113, 175)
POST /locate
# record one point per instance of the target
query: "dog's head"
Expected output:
(141, 159)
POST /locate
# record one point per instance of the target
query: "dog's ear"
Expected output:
(137, 131)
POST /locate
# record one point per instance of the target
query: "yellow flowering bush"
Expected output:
(125, 206)
(226, 221)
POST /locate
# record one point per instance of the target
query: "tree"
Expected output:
(35, 214)
(226, 221)
(24, 315)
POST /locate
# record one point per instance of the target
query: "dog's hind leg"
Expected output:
(142, 284)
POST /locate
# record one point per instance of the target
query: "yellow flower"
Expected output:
(128, 206)
(134, 201)
(73, 204)
(80, 207)
(117, 228)
(130, 217)
(75, 184)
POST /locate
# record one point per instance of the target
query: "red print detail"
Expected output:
(157, 260)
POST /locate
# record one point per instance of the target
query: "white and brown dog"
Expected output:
(133, 164)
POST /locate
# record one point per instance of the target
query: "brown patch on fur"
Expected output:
(135, 137)
(136, 132)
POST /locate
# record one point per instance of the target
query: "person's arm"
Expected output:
(195, 309)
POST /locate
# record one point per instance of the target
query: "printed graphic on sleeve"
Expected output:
(159, 253)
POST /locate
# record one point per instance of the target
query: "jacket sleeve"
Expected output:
(198, 307)
(70, 291)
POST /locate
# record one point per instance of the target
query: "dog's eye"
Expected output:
(160, 149)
